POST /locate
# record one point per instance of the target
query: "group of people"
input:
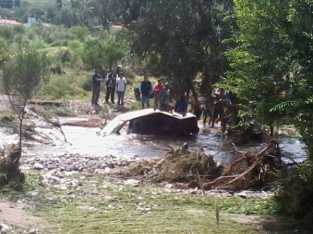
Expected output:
(215, 107)
(115, 82)
(161, 93)
(218, 107)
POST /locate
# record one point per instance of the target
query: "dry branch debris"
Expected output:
(200, 170)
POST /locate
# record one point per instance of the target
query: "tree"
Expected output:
(181, 38)
(21, 79)
(261, 62)
(270, 68)
(4, 51)
(104, 54)
(271, 72)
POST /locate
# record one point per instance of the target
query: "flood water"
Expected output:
(89, 142)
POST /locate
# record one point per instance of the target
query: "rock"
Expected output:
(132, 182)
(38, 166)
(4, 228)
(169, 186)
(33, 231)
(102, 171)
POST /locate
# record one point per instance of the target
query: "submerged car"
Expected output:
(150, 122)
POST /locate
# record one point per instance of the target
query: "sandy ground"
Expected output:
(16, 218)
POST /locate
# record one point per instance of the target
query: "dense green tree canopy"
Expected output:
(272, 65)
(181, 38)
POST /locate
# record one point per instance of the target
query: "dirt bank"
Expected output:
(13, 219)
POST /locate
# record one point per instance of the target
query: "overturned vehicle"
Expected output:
(150, 122)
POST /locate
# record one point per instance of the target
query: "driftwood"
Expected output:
(190, 170)
(248, 170)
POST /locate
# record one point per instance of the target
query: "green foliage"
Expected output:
(80, 32)
(21, 78)
(22, 74)
(11, 32)
(294, 195)
(104, 53)
(179, 39)
(4, 51)
(267, 72)
(271, 73)
(65, 86)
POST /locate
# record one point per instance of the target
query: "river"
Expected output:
(89, 142)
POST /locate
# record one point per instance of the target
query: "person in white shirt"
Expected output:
(121, 84)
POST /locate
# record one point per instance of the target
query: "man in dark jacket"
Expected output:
(96, 86)
(146, 90)
(181, 106)
(110, 84)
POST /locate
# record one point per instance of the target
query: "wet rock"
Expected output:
(4, 228)
(38, 166)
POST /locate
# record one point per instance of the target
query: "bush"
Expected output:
(294, 196)
(80, 32)
(53, 35)
(11, 32)
(65, 86)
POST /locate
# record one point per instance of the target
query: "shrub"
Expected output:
(80, 32)
(65, 86)
(294, 195)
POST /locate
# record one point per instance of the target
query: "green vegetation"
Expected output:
(72, 54)
(99, 206)
(271, 72)
(22, 75)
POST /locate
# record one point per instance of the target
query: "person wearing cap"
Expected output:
(121, 84)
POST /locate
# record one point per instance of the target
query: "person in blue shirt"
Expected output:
(145, 90)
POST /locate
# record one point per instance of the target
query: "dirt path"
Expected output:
(13, 219)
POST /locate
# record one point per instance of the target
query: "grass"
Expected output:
(99, 206)
(102, 205)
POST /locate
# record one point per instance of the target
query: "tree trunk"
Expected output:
(20, 144)
(21, 119)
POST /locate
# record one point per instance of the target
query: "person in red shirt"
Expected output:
(157, 90)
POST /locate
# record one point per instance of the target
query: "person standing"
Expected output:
(145, 89)
(164, 98)
(181, 105)
(96, 86)
(110, 85)
(121, 84)
(158, 88)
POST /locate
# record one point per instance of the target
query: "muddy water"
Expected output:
(88, 142)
